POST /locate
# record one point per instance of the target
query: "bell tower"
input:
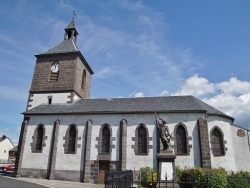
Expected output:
(61, 75)
(71, 32)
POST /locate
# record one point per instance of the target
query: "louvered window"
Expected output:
(53, 77)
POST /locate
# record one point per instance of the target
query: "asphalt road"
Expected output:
(6, 182)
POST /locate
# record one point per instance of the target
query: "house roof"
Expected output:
(14, 149)
(3, 138)
(129, 105)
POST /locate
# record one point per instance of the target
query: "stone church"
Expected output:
(66, 135)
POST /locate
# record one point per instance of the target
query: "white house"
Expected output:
(5, 146)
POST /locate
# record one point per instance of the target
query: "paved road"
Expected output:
(7, 182)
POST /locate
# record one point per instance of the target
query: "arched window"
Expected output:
(39, 138)
(83, 80)
(72, 140)
(217, 143)
(54, 71)
(142, 140)
(105, 140)
(181, 140)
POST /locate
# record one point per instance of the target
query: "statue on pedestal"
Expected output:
(165, 158)
(164, 134)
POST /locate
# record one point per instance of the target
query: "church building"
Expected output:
(66, 135)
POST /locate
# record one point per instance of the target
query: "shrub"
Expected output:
(199, 178)
(148, 177)
(217, 178)
(239, 179)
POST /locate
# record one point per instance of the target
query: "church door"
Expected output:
(103, 167)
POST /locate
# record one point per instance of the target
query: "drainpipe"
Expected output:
(248, 140)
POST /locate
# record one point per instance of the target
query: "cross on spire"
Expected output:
(74, 14)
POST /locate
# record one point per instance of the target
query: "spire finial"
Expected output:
(74, 14)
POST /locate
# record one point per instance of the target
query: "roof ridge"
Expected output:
(137, 97)
(167, 104)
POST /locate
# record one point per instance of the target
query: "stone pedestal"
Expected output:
(166, 169)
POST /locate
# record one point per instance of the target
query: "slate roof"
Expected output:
(64, 47)
(71, 26)
(129, 105)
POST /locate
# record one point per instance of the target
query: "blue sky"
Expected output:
(136, 48)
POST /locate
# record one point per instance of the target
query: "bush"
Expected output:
(217, 178)
(148, 177)
(239, 179)
(200, 178)
(190, 178)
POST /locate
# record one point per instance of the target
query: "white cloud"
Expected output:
(196, 86)
(231, 97)
(139, 94)
(234, 86)
(164, 93)
(136, 94)
(235, 106)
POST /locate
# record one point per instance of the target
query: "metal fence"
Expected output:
(125, 179)
(147, 182)
(120, 179)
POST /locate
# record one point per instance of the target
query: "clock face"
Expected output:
(55, 68)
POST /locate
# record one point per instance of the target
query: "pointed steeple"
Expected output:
(71, 32)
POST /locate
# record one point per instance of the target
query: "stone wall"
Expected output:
(70, 75)
(66, 74)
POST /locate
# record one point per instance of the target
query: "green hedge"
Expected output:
(212, 178)
(240, 179)
(201, 178)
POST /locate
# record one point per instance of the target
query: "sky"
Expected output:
(135, 48)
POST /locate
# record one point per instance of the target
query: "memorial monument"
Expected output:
(165, 157)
